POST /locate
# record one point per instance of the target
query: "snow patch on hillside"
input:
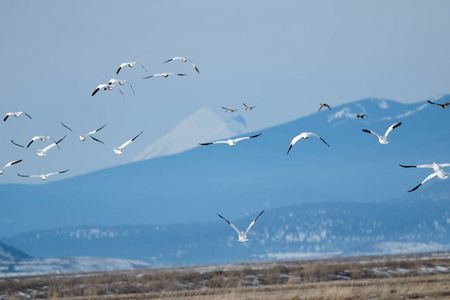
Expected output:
(37, 266)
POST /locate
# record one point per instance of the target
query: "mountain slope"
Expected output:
(254, 174)
(292, 232)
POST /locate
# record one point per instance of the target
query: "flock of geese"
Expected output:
(115, 83)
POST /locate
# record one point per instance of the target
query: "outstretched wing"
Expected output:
(370, 131)
(12, 163)
(94, 131)
(28, 175)
(17, 144)
(129, 141)
(247, 137)
(392, 127)
(251, 224)
(195, 67)
(53, 145)
(316, 135)
(231, 224)
(142, 67)
(426, 179)
(53, 173)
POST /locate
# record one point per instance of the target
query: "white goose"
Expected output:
(231, 142)
(242, 235)
(120, 82)
(44, 176)
(184, 59)
(42, 138)
(106, 87)
(9, 165)
(129, 64)
(118, 150)
(84, 136)
(41, 152)
(165, 75)
(304, 135)
(383, 138)
(438, 172)
(16, 114)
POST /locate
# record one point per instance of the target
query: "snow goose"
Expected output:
(383, 138)
(304, 135)
(231, 142)
(42, 138)
(41, 152)
(44, 176)
(106, 87)
(120, 82)
(83, 136)
(242, 235)
(118, 150)
(165, 75)
(129, 64)
(9, 165)
(184, 59)
(16, 114)
(438, 172)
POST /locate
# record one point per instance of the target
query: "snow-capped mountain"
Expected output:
(255, 174)
(293, 232)
(203, 125)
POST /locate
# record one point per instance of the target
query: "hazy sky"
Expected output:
(283, 56)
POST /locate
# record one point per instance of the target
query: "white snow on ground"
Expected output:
(300, 255)
(202, 126)
(407, 247)
(38, 266)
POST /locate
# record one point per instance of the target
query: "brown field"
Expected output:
(425, 276)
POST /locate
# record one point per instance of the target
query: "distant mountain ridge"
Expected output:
(9, 254)
(291, 232)
(255, 174)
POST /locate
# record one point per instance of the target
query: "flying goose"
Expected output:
(183, 59)
(242, 235)
(118, 150)
(304, 135)
(41, 152)
(445, 105)
(322, 105)
(16, 114)
(9, 165)
(229, 110)
(43, 176)
(129, 64)
(165, 75)
(248, 108)
(42, 138)
(438, 172)
(120, 82)
(84, 136)
(361, 116)
(106, 87)
(231, 142)
(383, 139)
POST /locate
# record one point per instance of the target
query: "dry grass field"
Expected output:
(425, 276)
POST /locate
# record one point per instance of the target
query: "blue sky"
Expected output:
(284, 56)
